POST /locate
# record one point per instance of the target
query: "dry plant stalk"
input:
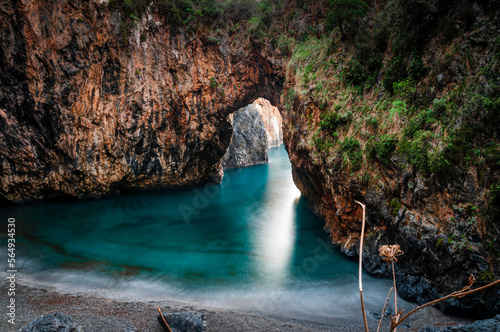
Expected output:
(383, 310)
(390, 254)
(164, 320)
(361, 266)
(465, 291)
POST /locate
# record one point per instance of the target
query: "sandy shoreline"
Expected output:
(98, 313)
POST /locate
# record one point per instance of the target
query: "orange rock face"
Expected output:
(84, 112)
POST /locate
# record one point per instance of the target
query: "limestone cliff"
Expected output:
(89, 106)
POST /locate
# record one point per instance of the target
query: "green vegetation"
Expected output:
(342, 12)
(350, 149)
(367, 92)
(331, 121)
(367, 96)
(213, 82)
(192, 14)
(486, 276)
(440, 244)
(395, 206)
(385, 147)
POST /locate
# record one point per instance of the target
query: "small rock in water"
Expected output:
(374, 315)
(189, 321)
(53, 322)
(388, 312)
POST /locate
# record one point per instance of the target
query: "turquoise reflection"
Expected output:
(250, 242)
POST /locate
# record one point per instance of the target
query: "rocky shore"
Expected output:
(97, 311)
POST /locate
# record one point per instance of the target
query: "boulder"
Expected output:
(485, 325)
(249, 141)
(55, 322)
(188, 321)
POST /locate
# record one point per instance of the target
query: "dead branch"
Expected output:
(465, 291)
(164, 320)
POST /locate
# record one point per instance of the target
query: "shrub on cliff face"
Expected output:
(350, 148)
(342, 12)
(354, 73)
(385, 147)
(331, 121)
(395, 72)
(416, 150)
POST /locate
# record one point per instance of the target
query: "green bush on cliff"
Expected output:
(210, 8)
(343, 12)
(439, 164)
(354, 73)
(404, 89)
(385, 147)
(416, 150)
(395, 206)
(395, 72)
(213, 82)
(351, 148)
(323, 143)
(440, 244)
(285, 44)
(399, 107)
(331, 121)
(417, 68)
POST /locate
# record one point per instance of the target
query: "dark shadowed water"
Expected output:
(249, 243)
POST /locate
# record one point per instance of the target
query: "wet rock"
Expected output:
(486, 325)
(53, 322)
(249, 141)
(374, 315)
(189, 321)
(429, 329)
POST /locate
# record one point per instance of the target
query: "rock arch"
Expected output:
(84, 112)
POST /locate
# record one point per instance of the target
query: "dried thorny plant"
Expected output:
(390, 254)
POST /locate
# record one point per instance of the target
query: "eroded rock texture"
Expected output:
(86, 109)
(272, 120)
(256, 128)
(249, 141)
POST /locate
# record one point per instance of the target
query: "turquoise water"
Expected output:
(249, 243)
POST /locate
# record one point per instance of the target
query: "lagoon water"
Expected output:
(249, 243)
